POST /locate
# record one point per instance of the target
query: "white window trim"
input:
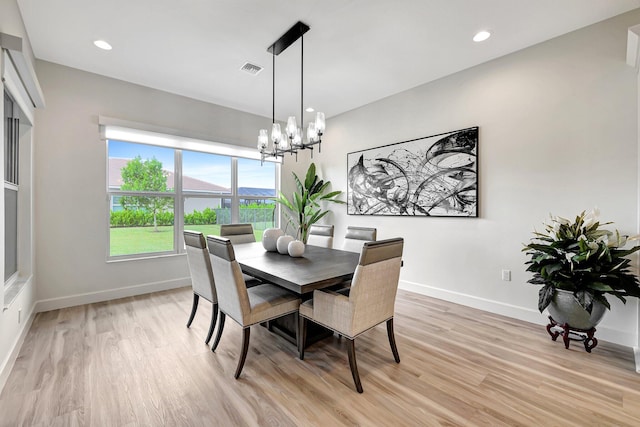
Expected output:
(16, 72)
(123, 130)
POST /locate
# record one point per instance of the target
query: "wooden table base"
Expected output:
(286, 327)
(586, 336)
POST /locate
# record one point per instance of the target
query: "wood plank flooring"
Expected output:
(132, 362)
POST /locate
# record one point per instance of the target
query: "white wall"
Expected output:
(72, 209)
(558, 133)
(16, 319)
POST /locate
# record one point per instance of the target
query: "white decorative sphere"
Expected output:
(296, 249)
(270, 238)
(283, 244)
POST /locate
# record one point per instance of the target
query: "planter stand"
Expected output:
(586, 336)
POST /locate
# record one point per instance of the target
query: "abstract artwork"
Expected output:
(431, 176)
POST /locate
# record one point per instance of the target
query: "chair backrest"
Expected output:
(375, 283)
(321, 235)
(233, 298)
(200, 265)
(357, 236)
(238, 233)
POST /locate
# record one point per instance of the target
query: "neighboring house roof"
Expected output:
(253, 191)
(193, 184)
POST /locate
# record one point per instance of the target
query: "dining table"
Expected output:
(318, 268)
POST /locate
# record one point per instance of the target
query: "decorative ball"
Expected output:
(296, 249)
(283, 244)
(270, 238)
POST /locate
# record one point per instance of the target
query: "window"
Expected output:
(11, 162)
(256, 193)
(156, 191)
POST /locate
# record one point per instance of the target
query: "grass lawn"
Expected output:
(137, 240)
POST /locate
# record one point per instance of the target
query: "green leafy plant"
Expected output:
(304, 209)
(145, 175)
(583, 258)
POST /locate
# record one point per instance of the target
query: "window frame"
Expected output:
(178, 194)
(11, 170)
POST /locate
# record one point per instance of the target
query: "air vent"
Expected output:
(250, 68)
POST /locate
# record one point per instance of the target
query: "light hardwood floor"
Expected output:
(133, 362)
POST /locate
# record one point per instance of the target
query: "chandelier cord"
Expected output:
(301, 87)
(273, 95)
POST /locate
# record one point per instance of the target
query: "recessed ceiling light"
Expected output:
(102, 44)
(481, 36)
(309, 110)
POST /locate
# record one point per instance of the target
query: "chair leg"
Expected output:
(194, 307)
(301, 335)
(351, 350)
(219, 334)
(214, 316)
(392, 340)
(245, 346)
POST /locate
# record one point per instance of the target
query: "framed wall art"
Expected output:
(431, 176)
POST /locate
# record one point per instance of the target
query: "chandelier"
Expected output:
(293, 138)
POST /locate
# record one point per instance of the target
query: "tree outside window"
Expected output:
(145, 175)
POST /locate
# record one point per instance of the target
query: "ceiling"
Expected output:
(357, 51)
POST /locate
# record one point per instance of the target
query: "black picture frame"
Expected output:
(435, 175)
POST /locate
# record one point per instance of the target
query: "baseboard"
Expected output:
(7, 364)
(111, 294)
(513, 311)
(521, 313)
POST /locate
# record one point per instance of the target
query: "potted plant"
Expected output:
(578, 263)
(304, 209)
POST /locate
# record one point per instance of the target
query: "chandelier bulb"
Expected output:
(320, 125)
(276, 133)
(297, 138)
(263, 140)
(312, 134)
(292, 126)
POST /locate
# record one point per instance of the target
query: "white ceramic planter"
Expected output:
(283, 244)
(296, 249)
(270, 238)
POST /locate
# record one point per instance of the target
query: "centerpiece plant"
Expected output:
(304, 208)
(581, 257)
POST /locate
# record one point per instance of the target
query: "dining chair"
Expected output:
(354, 239)
(201, 276)
(370, 302)
(238, 233)
(321, 235)
(247, 306)
(357, 236)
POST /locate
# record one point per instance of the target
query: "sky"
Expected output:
(204, 166)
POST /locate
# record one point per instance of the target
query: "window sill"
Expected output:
(143, 257)
(12, 291)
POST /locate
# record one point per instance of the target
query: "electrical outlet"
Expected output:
(506, 275)
(19, 315)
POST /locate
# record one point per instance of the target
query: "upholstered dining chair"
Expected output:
(370, 302)
(238, 233)
(354, 239)
(357, 236)
(201, 276)
(247, 306)
(321, 235)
